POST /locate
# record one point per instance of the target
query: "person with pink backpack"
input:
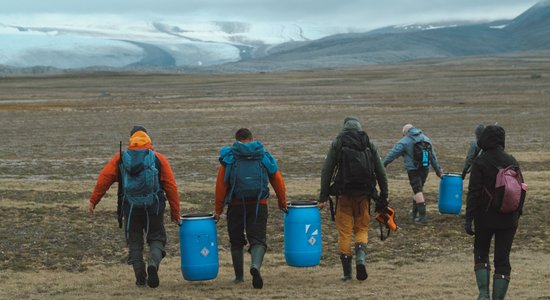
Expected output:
(496, 194)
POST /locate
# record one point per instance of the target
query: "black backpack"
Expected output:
(355, 168)
(422, 151)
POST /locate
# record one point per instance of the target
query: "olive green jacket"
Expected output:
(331, 162)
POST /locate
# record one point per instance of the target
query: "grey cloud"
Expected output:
(343, 12)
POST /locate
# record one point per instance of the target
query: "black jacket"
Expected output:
(483, 176)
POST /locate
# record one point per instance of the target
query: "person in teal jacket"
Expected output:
(416, 172)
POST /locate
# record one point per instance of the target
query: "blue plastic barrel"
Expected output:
(303, 234)
(450, 194)
(198, 247)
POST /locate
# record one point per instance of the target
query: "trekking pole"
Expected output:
(331, 207)
(119, 191)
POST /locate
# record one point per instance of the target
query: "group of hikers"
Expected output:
(353, 172)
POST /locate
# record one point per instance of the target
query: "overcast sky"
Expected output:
(353, 13)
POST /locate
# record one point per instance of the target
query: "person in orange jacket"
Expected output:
(140, 220)
(242, 184)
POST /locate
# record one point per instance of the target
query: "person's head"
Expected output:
(479, 130)
(137, 128)
(493, 136)
(243, 134)
(352, 123)
(406, 129)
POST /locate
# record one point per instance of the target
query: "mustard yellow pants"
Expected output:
(352, 217)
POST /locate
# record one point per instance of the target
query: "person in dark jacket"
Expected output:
(353, 203)
(487, 221)
(473, 152)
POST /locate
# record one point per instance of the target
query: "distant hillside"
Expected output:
(529, 31)
(175, 46)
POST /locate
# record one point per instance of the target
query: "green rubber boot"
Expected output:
(421, 217)
(238, 261)
(257, 252)
(360, 261)
(346, 266)
(413, 211)
(482, 279)
(500, 286)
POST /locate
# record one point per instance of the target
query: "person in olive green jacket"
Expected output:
(354, 188)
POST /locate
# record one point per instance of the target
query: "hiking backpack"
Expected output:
(248, 178)
(421, 154)
(355, 168)
(510, 190)
(140, 177)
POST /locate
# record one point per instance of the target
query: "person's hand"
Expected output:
(381, 207)
(463, 175)
(439, 173)
(321, 204)
(468, 227)
(217, 217)
(175, 219)
(91, 208)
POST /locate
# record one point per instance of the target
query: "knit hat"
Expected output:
(137, 128)
(352, 123)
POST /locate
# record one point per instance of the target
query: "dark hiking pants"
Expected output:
(242, 219)
(503, 245)
(154, 233)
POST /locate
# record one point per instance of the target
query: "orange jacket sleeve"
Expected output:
(169, 185)
(278, 185)
(105, 179)
(221, 190)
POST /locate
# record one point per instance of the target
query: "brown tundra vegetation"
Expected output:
(57, 132)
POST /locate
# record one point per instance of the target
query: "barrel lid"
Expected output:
(302, 204)
(452, 174)
(196, 216)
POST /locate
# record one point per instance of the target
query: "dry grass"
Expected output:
(60, 131)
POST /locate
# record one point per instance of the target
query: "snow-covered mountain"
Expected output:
(110, 41)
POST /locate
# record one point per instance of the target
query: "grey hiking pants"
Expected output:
(155, 234)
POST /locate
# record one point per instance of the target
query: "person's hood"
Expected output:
(352, 123)
(415, 134)
(249, 149)
(140, 140)
(493, 136)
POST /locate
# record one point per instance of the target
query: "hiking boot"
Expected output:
(482, 279)
(237, 258)
(421, 217)
(257, 256)
(360, 264)
(500, 286)
(413, 211)
(346, 266)
(153, 278)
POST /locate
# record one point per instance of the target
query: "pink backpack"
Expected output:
(509, 192)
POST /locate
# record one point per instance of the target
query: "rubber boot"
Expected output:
(156, 254)
(360, 261)
(346, 266)
(482, 279)
(500, 286)
(421, 217)
(237, 258)
(413, 211)
(257, 252)
(141, 275)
